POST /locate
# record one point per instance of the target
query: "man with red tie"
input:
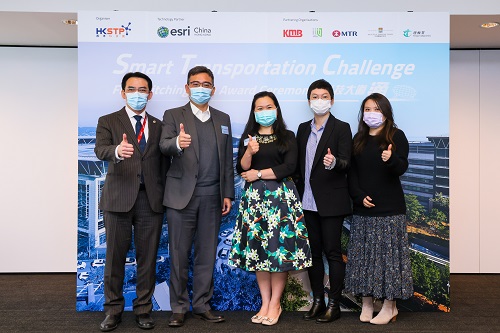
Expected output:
(131, 198)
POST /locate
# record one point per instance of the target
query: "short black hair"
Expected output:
(320, 84)
(199, 70)
(139, 75)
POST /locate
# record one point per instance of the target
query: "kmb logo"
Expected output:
(292, 33)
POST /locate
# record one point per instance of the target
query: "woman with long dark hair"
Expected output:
(378, 264)
(270, 236)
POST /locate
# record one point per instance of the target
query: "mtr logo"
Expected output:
(292, 33)
(113, 32)
(338, 33)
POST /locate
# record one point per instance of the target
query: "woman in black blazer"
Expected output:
(324, 144)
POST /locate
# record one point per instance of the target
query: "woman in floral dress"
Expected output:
(270, 237)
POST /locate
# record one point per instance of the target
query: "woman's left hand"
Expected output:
(250, 175)
(386, 154)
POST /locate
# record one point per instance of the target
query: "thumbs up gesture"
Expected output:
(125, 149)
(386, 154)
(253, 145)
(183, 138)
(328, 159)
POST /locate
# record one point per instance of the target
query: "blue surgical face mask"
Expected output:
(137, 101)
(266, 117)
(373, 119)
(200, 95)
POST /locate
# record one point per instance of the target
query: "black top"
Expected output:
(268, 156)
(370, 176)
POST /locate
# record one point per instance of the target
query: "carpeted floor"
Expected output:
(46, 303)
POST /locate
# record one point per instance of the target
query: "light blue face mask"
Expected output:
(200, 95)
(137, 101)
(266, 117)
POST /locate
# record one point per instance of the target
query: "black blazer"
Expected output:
(329, 187)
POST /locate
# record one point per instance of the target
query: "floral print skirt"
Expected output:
(270, 233)
(378, 258)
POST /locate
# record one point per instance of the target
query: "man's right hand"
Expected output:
(125, 149)
(184, 139)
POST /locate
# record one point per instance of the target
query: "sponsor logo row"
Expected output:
(199, 31)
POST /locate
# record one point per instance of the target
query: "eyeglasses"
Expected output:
(197, 84)
(134, 89)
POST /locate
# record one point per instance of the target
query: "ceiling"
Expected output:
(47, 29)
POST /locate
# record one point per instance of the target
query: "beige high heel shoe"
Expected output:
(257, 319)
(387, 314)
(366, 310)
(271, 321)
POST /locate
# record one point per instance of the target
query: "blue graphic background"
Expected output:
(420, 102)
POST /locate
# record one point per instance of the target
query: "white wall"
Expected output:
(489, 152)
(38, 170)
(38, 201)
(474, 149)
(464, 162)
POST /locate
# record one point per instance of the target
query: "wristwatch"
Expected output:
(259, 174)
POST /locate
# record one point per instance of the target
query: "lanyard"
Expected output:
(141, 132)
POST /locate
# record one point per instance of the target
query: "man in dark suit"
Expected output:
(324, 157)
(131, 198)
(199, 190)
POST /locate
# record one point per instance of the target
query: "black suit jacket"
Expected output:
(329, 187)
(123, 178)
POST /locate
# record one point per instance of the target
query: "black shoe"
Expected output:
(145, 321)
(110, 323)
(332, 312)
(209, 316)
(176, 320)
(317, 308)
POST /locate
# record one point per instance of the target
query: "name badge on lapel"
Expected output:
(224, 129)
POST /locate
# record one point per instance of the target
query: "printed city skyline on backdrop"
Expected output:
(426, 187)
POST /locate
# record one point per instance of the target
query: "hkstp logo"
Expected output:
(292, 33)
(113, 32)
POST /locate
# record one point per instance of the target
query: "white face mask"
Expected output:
(320, 106)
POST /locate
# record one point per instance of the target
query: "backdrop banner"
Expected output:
(404, 56)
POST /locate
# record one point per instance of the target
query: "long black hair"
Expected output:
(279, 126)
(384, 137)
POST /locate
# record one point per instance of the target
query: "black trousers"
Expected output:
(324, 237)
(147, 230)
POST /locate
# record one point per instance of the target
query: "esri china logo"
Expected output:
(113, 32)
(162, 32)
